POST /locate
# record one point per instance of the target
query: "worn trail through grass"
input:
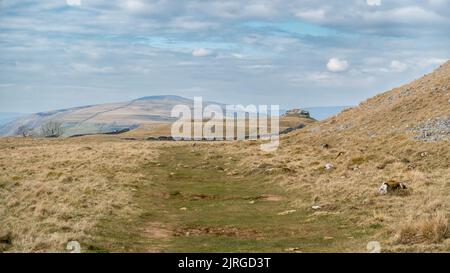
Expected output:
(193, 204)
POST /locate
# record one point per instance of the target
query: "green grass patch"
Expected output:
(190, 204)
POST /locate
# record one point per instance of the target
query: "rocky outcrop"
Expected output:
(297, 113)
(433, 130)
(291, 129)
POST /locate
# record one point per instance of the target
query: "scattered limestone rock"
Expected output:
(391, 186)
(329, 166)
(287, 212)
(433, 130)
(293, 249)
(291, 129)
(324, 146)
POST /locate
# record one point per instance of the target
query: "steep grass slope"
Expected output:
(399, 135)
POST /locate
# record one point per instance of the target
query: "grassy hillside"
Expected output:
(317, 193)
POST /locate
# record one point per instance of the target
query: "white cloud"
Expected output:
(87, 68)
(189, 23)
(439, 3)
(312, 15)
(337, 65)
(238, 55)
(397, 66)
(432, 62)
(73, 2)
(259, 67)
(134, 5)
(374, 2)
(411, 15)
(201, 52)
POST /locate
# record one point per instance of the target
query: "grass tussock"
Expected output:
(431, 229)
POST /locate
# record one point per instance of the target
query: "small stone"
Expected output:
(287, 212)
(293, 249)
(324, 146)
(316, 207)
(329, 166)
(183, 208)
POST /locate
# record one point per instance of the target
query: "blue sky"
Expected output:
(63, 53)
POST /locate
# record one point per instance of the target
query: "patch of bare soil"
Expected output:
(271, 197)
(156, 231)
(228, 231)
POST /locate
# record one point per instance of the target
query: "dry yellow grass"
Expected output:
(369, 145)
(431, 229)
(54, 191)
(164, 129)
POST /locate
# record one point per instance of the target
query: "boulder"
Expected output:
(392, 186)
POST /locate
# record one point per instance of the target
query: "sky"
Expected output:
(56, 54)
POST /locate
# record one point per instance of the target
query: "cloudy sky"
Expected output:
(61, 53)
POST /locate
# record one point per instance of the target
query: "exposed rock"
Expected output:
(287, 212)
(129, 138)
(293, 249)
(297, 113)
(329, 166)
(437, 129)
(324, 146)
(291, 129)
(118, 131)
(160, 138)
(391, 186)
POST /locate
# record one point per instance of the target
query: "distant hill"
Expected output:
(150, 115)
(6, 117)
(104, 117)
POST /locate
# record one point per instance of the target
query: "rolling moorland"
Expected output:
(151, 114)
(317, 193)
